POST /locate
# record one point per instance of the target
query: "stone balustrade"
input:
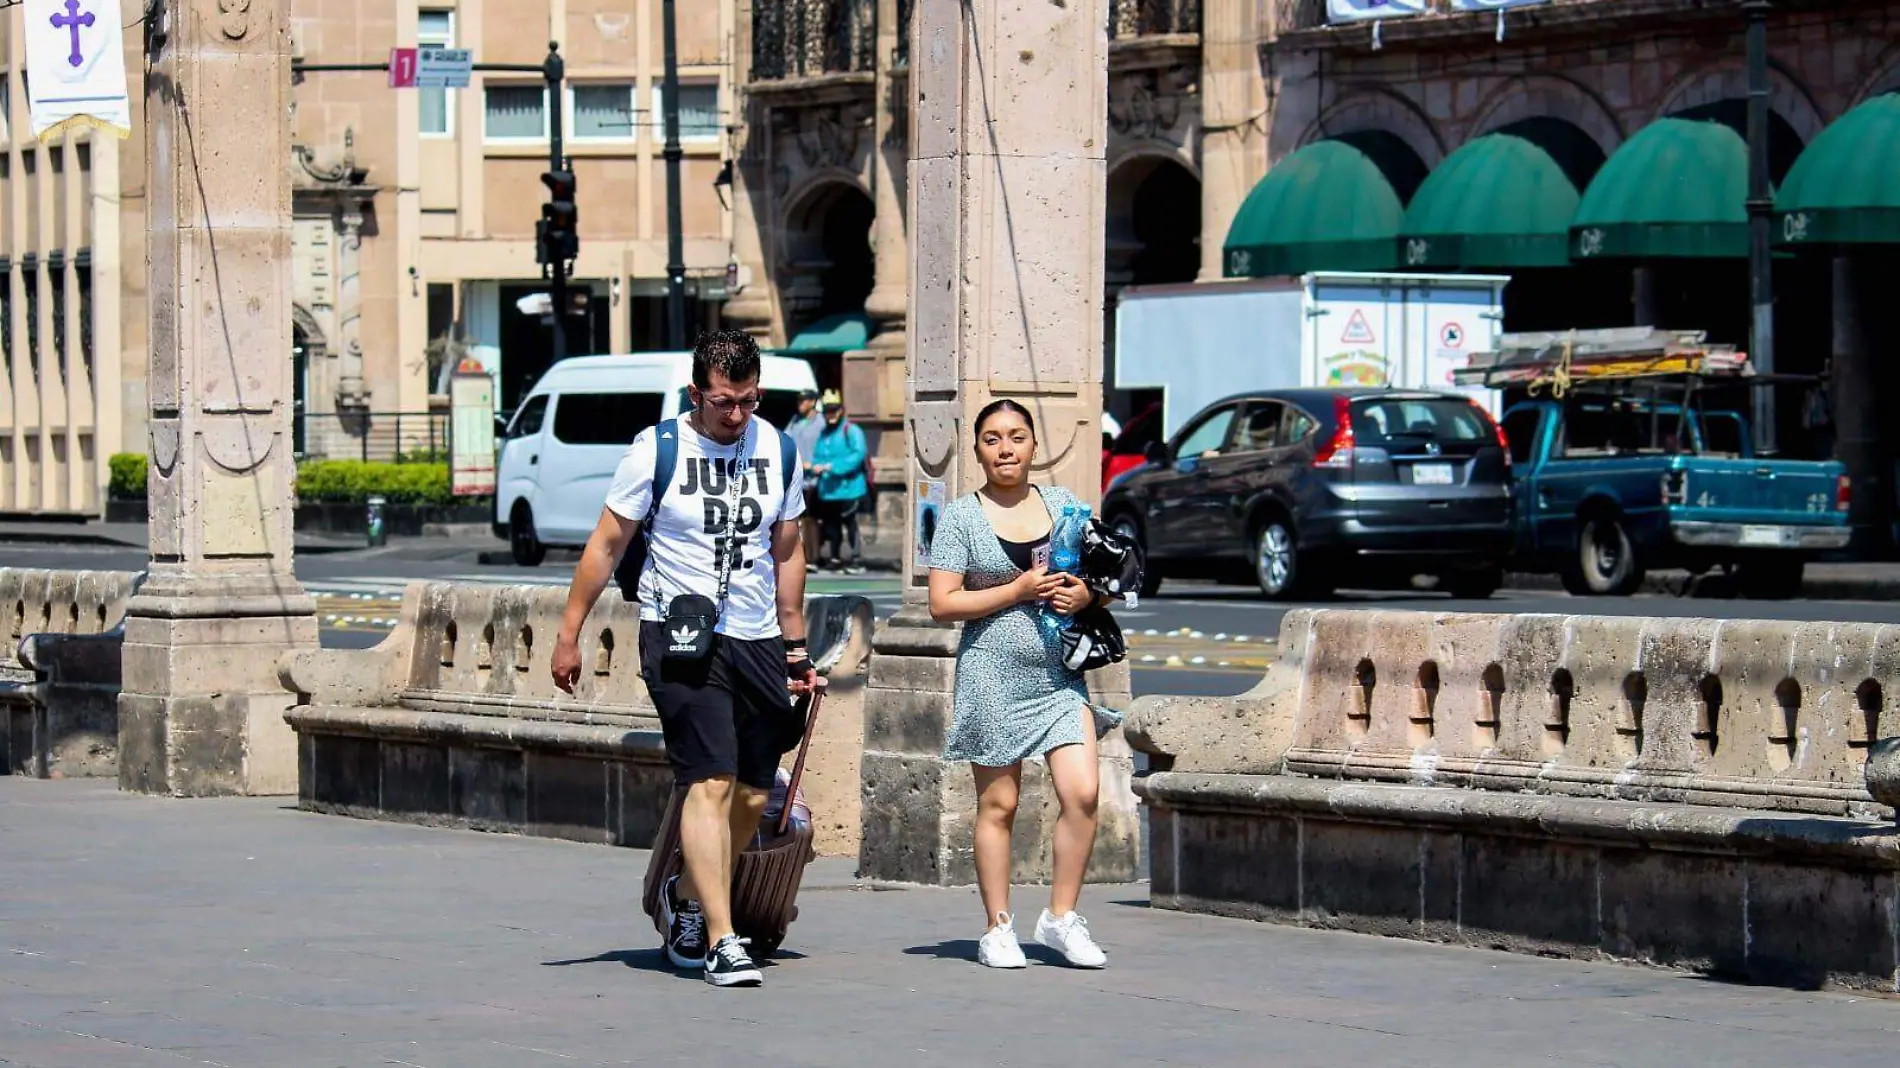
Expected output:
(1690, 792)
(454, 719)
(59, 670)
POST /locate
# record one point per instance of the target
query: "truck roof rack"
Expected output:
(1560, 359)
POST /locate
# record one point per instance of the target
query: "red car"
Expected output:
(1129, 449)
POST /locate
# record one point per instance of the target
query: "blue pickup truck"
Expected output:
(1607, 487)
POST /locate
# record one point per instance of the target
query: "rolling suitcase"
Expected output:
(765, 880)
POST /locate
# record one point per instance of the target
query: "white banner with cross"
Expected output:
(75, 66)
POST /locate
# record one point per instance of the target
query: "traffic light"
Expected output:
(557, 235)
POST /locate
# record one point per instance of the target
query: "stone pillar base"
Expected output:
(919, 811)
(202, 713)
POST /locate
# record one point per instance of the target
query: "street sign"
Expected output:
(442, 68)
(402, 68)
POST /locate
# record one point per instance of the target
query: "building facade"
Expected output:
(71, 235)
(414, 229)
(1208, 97)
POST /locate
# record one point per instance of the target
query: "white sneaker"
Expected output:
(999, 948)
(1069, 936)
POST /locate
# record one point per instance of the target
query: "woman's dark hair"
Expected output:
(733, 353)
(1004, 405)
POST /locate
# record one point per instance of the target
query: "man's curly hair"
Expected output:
(733, 353)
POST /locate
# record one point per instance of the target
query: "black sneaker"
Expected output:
(685, 928)
(730, 965)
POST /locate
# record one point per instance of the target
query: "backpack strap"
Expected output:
(787, 460)
(666, 459)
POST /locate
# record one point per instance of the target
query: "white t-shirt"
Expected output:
(695, 513)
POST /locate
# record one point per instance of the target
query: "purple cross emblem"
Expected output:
(71, 21)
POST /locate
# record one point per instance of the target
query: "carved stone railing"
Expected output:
(1702, 793)
(1153, 18)
(809, 38)
(60, 640)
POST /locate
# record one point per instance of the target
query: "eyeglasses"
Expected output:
(728, 404)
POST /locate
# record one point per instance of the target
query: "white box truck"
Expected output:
(1199, 343)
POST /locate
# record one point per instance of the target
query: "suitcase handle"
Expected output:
(798, 766)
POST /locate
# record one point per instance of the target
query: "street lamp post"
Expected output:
(1761, 206)
(670, 152)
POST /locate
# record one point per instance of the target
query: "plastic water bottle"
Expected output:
(1065, 555)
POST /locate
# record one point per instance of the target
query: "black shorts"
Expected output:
(719, 718)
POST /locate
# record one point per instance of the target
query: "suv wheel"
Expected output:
(1277, 561)
(525, 547)
(1125, 525)
(1606, 564)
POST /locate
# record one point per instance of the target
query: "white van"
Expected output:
(559, 452)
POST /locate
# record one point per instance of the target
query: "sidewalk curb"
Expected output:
(1677, 584)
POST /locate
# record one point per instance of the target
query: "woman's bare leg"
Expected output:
(996, 792)
(1078, 781)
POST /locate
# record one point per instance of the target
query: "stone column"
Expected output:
(874, 376)
(751, 309)
(1234, 127)
(201, 711)
(1856, 404)
(1007, 184)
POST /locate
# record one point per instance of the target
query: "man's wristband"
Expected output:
(793, 645)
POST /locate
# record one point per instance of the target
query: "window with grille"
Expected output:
(30, 279)
(56, 273)
(84, 277)
(436, 29)
(699, 112)
(515, 113)
(603, 111)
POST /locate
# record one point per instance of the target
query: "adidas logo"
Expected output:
(685, 636)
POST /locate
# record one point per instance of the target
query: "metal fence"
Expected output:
(803, 38)
(1150, 18)
(390, 437)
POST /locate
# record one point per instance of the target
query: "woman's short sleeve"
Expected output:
(950, 542)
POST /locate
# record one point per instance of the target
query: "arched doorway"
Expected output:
(1154, 238)
(829, 267)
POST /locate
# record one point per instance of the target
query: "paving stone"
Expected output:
(140, 931)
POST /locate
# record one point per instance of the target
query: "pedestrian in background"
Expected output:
(838, 463)
(804, 429)
(1014, 697)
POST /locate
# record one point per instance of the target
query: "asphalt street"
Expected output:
(1196, 638)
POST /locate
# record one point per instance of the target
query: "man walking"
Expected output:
(804, 430)
(838, 463)
(722, 547)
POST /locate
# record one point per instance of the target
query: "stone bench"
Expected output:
(59, 670)
(1687, 792)
(454, 719)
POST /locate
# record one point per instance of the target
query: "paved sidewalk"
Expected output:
(138, 932)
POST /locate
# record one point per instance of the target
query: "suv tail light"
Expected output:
(1337, 453)
(1497, 428)
(1843, 494)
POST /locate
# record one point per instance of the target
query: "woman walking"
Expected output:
(1014, 698)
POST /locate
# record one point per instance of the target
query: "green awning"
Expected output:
(1679, 188)
(1842, 188)
(1500, 201)
(1326, 207)
(847, 332)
